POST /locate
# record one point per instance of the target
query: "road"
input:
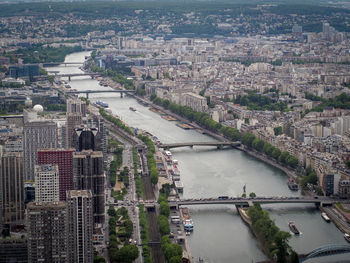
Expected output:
(130, 199)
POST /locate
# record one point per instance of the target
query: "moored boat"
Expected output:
(325, 217)
(132, 109)
(347, 237)
(102, 104)
(292, 185)
(293, 228)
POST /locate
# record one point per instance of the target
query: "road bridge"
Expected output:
(70, 75)
(240, 201)
(87, 92)
(219, 145)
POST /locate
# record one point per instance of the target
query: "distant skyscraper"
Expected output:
(37, 135)
(64, 159)
(11, 188)
(76, 106)
(88, 174)
(46, 183)
(73, 120)
(80, 227)
(47, 232)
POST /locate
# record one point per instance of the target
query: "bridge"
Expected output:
(45, 64)
(92, 75)
(245, 202)
(87, 92)
(327, 250)
(219, 145)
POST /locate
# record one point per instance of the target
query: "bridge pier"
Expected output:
(87, 95)
(68, 78)
(121, 94)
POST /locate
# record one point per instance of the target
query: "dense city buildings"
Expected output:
(80, 227)
(88, 174)
(64, 159)
(272, 79)
(47, 225)
(11, 188)
(46, 183)
(37, 135)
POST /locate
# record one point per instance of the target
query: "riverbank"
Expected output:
(291, 174)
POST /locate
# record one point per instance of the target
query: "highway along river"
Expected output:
(219, 234)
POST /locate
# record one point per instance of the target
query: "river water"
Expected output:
(220, 236)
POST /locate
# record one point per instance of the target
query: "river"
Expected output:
(220, 236)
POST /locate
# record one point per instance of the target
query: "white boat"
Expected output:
(325, 217)
(347, 237)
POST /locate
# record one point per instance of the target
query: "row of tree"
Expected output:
(117, 160)
(138, 180)
(200, 118)
(115, 121)
(285, 158)
(152, 167)
(128, 253)
(275, 240)
(146, 251)
(172, 252)
(116, 76)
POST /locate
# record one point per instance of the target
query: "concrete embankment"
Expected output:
(337, 219)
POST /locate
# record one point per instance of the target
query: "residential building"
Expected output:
(64, 159)
(47, 232)
(11, 188)
(88, 174)
(46, 183)
(344, 189)
(37, 135)
(80, 228)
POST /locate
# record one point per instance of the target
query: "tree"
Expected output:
(292, 161)
(163, 225)
(278, 130)
(276, 153)
(126, 254)
(164, 208)
(258, 144)
(347, 163)
(281, 241)
(252, 195)
(268, 148)
(283, 157)
(111, 211)
(248, 139)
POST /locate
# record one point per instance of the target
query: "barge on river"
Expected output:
(293, 228)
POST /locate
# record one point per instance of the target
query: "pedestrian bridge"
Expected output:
(219, 145)
(241, 201)
(327, 250)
